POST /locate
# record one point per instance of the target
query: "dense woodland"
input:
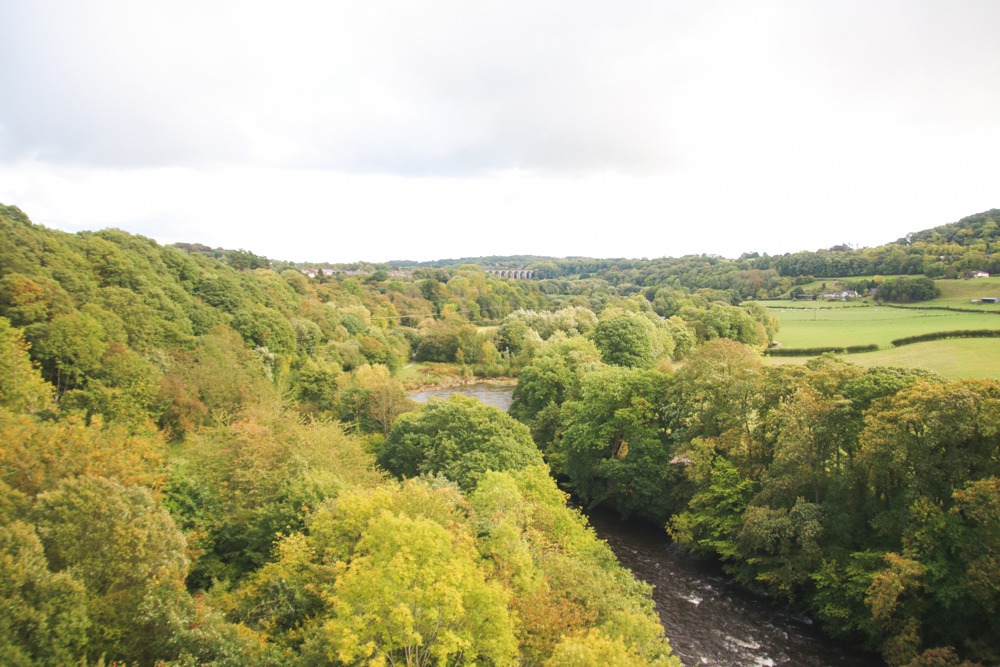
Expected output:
(208, 458)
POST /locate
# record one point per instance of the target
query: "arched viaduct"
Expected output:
(512, 273)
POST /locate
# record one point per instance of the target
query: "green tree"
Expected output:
(43, 615)
(71, 349)
(596, 650)
(413, 595)
(460, 438)
(22, 388)
(122, 546)
(624, 341)
(265, 327)
(613, 445)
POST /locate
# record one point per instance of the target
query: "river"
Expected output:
(710, 620)
(490, 394)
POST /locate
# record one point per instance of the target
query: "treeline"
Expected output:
(870, 498)
(948, 251)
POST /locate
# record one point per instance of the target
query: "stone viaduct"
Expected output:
(511, 273)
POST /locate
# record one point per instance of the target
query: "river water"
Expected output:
(490, 394)
(710, 620)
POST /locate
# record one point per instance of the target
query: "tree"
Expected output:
(613, 445)
(37, 455)
(265, 327)
(719, 389)
(595, 650)
(551, 376)
(460, 438)
(372, 397)
(43, 615)
(22, 388)
(71, 349)
(122, 546)
(925, 442)
(624, 341)
(413, 595)
(439, 344)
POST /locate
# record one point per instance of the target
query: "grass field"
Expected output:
(953, 358)
(868, 325)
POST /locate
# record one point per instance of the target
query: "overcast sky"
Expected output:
(337, 131)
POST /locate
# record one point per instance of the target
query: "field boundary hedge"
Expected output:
(940, 335)
(955, 309)
(816, 351)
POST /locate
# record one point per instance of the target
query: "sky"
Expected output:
(343, 131)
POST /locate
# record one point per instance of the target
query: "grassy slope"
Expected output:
(960, 293)
(955, 358)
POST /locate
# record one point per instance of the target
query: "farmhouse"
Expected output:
(843, 296)
(977, 274)
(989, 299)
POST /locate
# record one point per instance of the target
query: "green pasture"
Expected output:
(953, 358)
(822, 327)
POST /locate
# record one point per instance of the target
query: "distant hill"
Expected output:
(970, 230)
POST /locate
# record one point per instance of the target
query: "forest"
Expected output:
(208, 458)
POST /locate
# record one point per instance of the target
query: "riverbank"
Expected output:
(418, 377)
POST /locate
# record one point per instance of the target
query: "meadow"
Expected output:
(824, 324)
(952, 358)
(877, 325)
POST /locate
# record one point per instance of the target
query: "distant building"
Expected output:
(847, 295)
(989, 299)
(977, 274)
(310, 272)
